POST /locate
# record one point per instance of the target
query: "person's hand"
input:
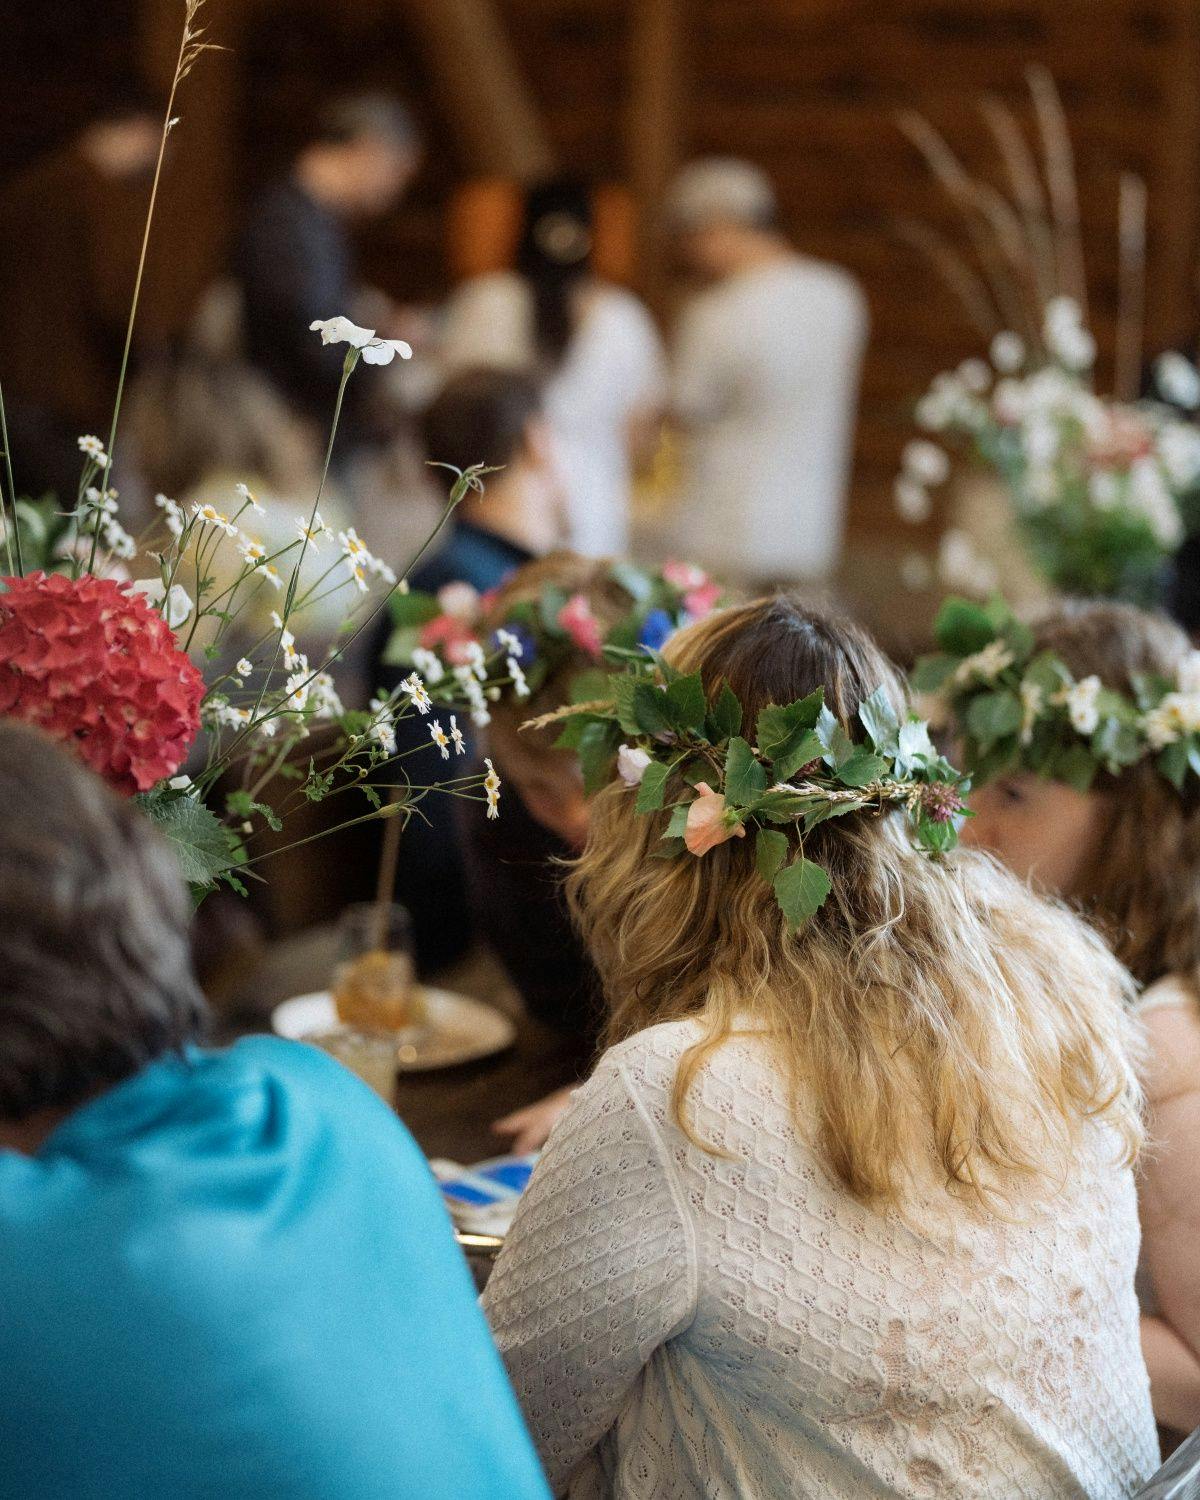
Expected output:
(530, 1127)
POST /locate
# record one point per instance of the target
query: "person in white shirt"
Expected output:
(1127, 851)
(765, 371)
(845, 1210)
(594, 344)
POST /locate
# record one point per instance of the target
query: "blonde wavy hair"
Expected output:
(931, 1016)
(1145, 893)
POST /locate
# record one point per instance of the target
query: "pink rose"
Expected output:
(702, 600)
(577, 619)
(684, 576)
(706, 822)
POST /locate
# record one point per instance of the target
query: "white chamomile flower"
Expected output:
(296, 690)
(474, 658)
(382, 728)
(271, 573)
(323, 696)
(1176, 377)
(417, 696)
(456, 734)
(1007, 352)
(375, 351)
(440, 738)
(359, 578)
(252, 550)
(245, 667)
(105, 503)
(209, 515)
(315, 533)
(91, 447)
(520, 685)
(245, 493)
(172, 514)
(117, 540)
(491, 787)
(429, 664)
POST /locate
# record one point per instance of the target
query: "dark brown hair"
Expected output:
(1144, 891)
(95, 969)
(480, 417)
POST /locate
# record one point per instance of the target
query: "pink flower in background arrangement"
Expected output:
(460, 600)
(702, 600)
(93, 665)
(577, 619)
(451, 636)
(707, 824)
(700, 593)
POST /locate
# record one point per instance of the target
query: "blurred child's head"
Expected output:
(1127, 850)
(549, 781)
(496, 417)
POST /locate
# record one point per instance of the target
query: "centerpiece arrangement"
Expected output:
(1101, 487)
(124, 648)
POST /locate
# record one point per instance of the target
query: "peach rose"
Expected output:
(706, 825)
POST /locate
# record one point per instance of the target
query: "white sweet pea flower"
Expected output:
(631, 764)
(1007, 352)
(375, 351)
(175, 607)
(1080, 700)
(1176, 377)
(913, 503)
(925, 462)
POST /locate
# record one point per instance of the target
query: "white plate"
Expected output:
(460, 1029)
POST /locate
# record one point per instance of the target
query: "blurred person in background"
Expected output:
(595, 345)
(497, 418)
(234, 1271)
(765, 369)
(68, 257)
(295, 260)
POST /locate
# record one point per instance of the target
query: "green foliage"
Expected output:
(801, 889)
(652, 791)
(204, 847)
(745, 779)
(771, 848)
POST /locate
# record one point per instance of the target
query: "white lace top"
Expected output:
(682, 1324)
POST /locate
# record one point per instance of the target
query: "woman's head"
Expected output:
(928, 1013)
(554, 254)
(95, 972)
(549, 781)
(1128, 850)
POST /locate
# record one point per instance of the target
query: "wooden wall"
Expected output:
(808, 88)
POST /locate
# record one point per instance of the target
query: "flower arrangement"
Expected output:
(1100, 486)
(686, 762)
(129, 672)
(1017, 708)
(443, 636)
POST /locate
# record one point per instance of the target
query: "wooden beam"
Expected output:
(478, 81)
(1174, 241)
(653, 125)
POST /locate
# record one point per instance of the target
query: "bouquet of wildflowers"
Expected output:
(1099, 486)
(134, 651)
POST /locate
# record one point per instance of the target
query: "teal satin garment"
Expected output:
(232, 1276)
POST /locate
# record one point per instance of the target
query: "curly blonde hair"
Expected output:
(1145, 892)
(929, 1016)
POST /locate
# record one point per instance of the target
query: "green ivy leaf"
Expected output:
(780, 728)
(880, 720)
(771, 850)
(963, 627)
(745, 779)
(801, 890)
(201, 842)
(725, 717)
(861, 766)
(686, 703)
(653, 789)
(994, 716)
(596, 749)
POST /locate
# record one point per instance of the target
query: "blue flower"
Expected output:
(656, 628)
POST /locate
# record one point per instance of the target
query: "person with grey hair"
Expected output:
(294, 261)
(765, 383)
(223, 1272)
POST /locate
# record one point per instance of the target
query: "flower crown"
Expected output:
(443, 635)
(1018, 707)
(679, 755)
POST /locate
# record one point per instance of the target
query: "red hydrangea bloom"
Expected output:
(97, 667)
